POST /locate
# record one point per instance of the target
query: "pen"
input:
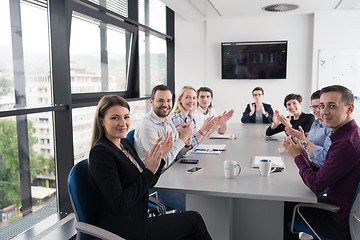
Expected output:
(200, 149)
(218, 150)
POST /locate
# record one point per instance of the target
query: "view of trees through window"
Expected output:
(27, 169)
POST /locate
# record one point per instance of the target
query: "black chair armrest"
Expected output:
(160, 206)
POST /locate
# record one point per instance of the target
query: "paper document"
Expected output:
(278, 161)
(209, 149)
(217, 135)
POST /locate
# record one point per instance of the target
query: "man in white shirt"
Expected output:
(205, 110)
(156, 124)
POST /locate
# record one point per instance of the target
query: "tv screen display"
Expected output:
(253, 60)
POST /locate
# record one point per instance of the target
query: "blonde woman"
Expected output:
(182, 114)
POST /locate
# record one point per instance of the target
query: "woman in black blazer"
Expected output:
(257, 112)
(122, 180)
(293, 103)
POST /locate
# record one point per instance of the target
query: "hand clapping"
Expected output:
(252, 108)
(294, 148)
(186, 132)
(153, 157)
(299, 134)
(209, 123)
(276, 121)
(167, 144)
(285, 120)
(223, 118)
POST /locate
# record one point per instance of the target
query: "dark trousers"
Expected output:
(322, 221)
(184, 225)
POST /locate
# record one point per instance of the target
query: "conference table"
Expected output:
(250, 206)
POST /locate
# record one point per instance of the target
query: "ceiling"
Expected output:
(206, 9)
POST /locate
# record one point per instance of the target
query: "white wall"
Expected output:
(198, 54)
(190, 53)
(338, 29)
(335, 30)
(198, 58)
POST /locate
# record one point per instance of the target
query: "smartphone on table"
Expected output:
(188, 160)
(194, 170)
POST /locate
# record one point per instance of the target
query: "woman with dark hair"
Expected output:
(317, 142)
(297, 118)
(257, 112)
(122, 180)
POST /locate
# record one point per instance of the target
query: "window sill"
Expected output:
(56, 227)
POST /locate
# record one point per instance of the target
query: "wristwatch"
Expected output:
(304, 143)
(266, 114)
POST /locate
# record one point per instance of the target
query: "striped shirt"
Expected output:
(177, 116)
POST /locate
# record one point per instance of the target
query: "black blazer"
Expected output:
(305, 121)
(122, 189)
(246, 118)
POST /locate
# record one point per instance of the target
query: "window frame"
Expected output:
(59, 20)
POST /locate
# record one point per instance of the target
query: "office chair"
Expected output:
(84, 202)
(130, 136)
(297, 226)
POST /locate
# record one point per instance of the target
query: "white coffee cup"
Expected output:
(265, 166)
(281, 150)
(231, 169)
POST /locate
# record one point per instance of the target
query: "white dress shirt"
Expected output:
(149, 130)
(200, 115)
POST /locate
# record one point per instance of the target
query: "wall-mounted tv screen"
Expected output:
(253, 60)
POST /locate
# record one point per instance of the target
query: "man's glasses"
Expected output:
(257, 94)
(315, 107)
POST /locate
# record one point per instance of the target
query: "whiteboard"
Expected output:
(341, 67)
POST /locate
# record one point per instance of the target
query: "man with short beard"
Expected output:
(339, 175)
(156, 124)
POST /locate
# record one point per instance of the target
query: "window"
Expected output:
(85, 61)
(152, 13)
(25, 81)
(83, 119)
(138, 109)
(47, 113)
(117, 6)
(153, 65)
(33, 50)
(98, 54)
(25, 158)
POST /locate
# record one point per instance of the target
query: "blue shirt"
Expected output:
(319, 135)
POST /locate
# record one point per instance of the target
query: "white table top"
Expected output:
(280, 186)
